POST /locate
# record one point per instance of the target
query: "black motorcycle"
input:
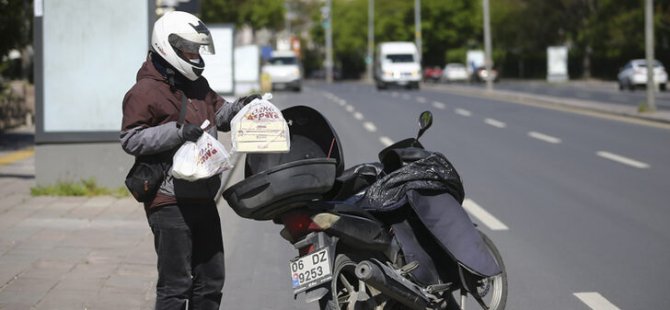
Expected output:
(385, 235)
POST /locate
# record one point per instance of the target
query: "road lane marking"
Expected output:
(406, 97)
(439, 105)
(623, 160)
(349, 108)
(386, 141)
(543, 137)
(370, 127)
(483, 216)
(495, 123)
(463, 112)
(342, 102)
(358, 116)
(421, 99)
(596, 301)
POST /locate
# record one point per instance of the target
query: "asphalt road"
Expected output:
(576, 204)
(602, 91)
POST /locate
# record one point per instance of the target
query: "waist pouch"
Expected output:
(145, 178)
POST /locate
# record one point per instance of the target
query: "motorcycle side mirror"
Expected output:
(425, 121)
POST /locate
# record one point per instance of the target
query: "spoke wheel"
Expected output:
(349, 293)
(492, 291)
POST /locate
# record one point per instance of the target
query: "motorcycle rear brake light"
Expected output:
(299, 224)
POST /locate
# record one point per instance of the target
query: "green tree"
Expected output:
(15, 26)
(256, 13)
(448, 29)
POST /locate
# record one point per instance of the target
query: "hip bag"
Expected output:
(148, 172)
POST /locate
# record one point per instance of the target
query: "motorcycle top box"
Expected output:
(277, 182)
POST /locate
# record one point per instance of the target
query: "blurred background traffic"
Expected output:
(65, 66)
(599, 38)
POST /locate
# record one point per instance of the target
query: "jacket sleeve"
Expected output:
(225, 112)
(139, 134)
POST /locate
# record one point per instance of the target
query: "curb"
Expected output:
(659, 118)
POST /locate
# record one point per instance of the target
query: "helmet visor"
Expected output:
(200, 43)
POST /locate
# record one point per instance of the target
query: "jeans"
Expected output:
(189, 246)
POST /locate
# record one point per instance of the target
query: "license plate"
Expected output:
(310, 270)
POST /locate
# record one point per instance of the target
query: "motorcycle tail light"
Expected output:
(299, 224)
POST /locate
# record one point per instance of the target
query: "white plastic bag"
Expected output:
(260, 127)
(201, 159)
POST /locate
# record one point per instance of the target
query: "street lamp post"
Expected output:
(329, 42)
(417, 26)
(371, 37)
(487, 46)
(649, 46)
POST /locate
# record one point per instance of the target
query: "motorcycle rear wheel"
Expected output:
(349, 293)
(492, 290)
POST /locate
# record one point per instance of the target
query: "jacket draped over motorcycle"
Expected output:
(434, 191)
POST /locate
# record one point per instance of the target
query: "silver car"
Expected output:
(454, 72)
(634, 74)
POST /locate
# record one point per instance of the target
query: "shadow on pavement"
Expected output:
(16, 140)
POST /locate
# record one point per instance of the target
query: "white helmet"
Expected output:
(178, 37)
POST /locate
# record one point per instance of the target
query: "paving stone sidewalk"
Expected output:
(71, 252)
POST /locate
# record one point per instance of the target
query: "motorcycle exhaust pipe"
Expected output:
(374, 276)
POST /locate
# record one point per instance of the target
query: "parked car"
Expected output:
(454, 72)
(634, 74)
(481, 75)
(284, 70)
(432, 74)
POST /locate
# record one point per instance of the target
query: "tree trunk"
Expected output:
(586, 63)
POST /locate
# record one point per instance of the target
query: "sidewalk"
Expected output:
(71, 252)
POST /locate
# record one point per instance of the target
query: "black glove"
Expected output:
(190, 132)
(248, 99)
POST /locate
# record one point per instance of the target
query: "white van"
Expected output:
(284, 70)
(397, 63)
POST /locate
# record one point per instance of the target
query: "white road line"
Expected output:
(358, 116)
(421, 99)
(596, 301)
(463, 112)
(349, 108)
(370, 127)
(342, 102)
(439, 105)
(495, 123)
(623, 160)
(406, 97)
(543, 137)
(483, 216)
(386, 141)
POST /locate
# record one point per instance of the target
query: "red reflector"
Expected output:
(299, 224)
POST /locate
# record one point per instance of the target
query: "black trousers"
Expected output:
(189, 246)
